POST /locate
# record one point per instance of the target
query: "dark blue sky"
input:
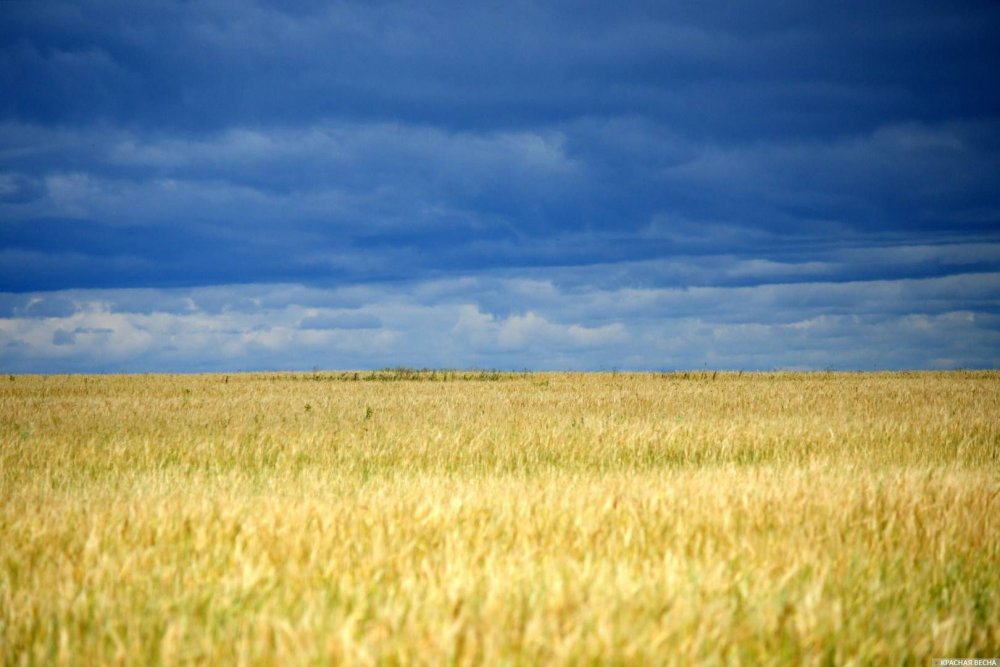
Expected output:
(222, 185)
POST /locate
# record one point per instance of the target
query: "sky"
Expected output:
(223, 186)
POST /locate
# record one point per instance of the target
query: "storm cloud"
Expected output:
(234, 185)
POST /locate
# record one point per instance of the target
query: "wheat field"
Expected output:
(403, 517)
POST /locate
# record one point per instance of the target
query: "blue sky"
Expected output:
(236, 185)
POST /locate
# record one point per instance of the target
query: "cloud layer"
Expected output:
(509, 323)
(792, 184)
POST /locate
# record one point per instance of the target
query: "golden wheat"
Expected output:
(484, 518)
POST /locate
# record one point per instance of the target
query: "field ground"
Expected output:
(472, 518)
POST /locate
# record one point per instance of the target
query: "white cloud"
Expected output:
(530, 331)
(541, 324)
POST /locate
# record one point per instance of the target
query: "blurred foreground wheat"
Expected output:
(404, 517)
